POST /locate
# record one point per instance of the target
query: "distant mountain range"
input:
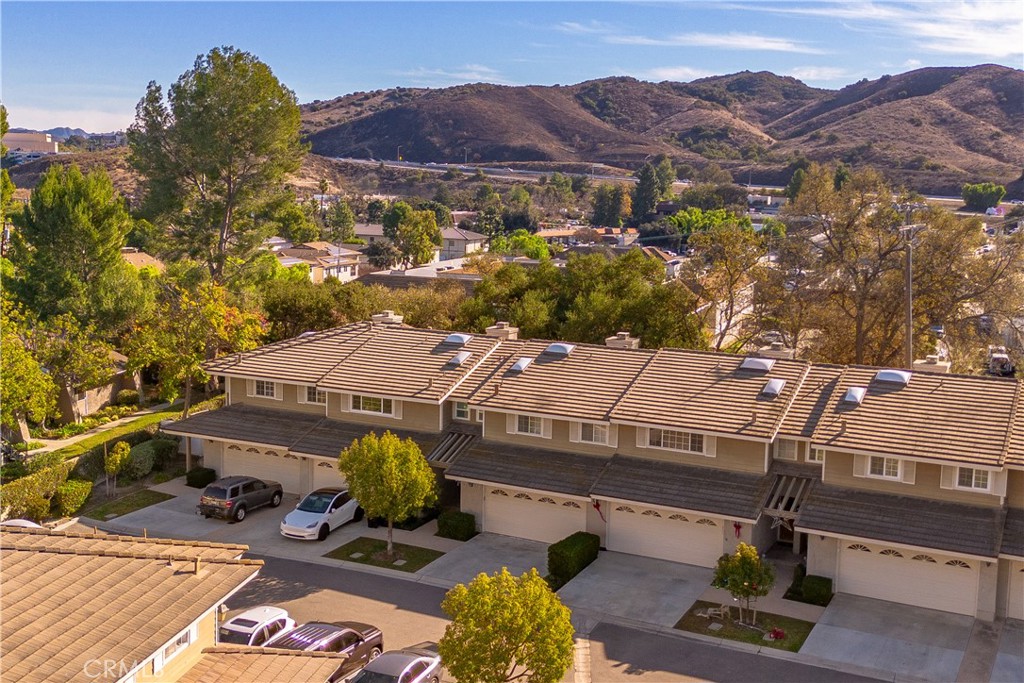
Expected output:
(932, 129)
(59, 134)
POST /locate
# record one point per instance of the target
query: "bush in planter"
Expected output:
(817, 590)
(140, 462)
(71, 496)
(457, 525)
(571, 555)
(200, 477)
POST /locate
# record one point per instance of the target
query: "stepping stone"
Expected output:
(398, 563)
(356, 556)
(715, 627)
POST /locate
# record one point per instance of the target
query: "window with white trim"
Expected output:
(372, 404)
(971, 478)
(785, 449)
(460, 410)
(593, 433)
(816, 455)
(175, 647)
(529, 424)
(265, 388)
(675, 441)
(883, 468)
(314, 395)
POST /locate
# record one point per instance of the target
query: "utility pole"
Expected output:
(909, 236)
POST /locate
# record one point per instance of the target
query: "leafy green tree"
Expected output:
(666, 175)
(414, 233)
(713, 174)
(646, 192)
(383, 254)
(114, 461)
(442, 214)
(215, 153)
(389, 477)
(841, 177)
(28, 391)
(486, 197)
(292, 307)
(73, 353)
(796, 182)
(746, 576)
(506, 628)
(693, 219)
(489, 221)
(981, 196)
(340, 223)
(519, 212)
(375, 210)
(521, 243)
(6, 186)
(612, 203)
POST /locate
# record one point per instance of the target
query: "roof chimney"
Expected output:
(776, 350)
(622, 340)
(502, 330)
(932, 363)
(387, 318)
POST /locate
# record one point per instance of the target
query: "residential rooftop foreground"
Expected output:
(900, 486)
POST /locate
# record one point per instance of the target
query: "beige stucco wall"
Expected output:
(1015, 488)
(927, 478)
(731, 454)
(472, 501)
(188, 657)
(822, 556)
(421, 417)
(213, 455)
(495, 426)
(988, 591)
(289, 398)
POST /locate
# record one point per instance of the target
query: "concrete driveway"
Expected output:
(1009, 664)
(637, 588)
(911, 642)
(488, 553)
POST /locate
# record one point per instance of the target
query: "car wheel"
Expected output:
(434, 680)
(358, 516)
(276, 500)
(206, 516)
(324, 532)
(239, 513)
(374, 653)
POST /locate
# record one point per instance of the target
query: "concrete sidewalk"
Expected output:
(57, 444)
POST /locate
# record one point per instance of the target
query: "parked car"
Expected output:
(320, 513)
(234, 497)
(255, 626)
(23, 523)
(361, 642)
(416, 664)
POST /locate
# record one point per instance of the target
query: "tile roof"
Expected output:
(70, 598)
(328, 437)
(809, 401)
(460, 234)
(709, 392)
(921, 522)
(1015, 439)
(457, 440)
(532, 468)
(688, 487)
(241, 664)
(1013, 533)
(937, 416)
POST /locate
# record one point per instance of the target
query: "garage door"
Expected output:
(531, 515)
(263, 464)
(909, 577)
(325, 473)
(666, 535)
(1015, 603)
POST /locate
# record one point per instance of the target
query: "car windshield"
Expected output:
(317, 501)
(234, 637)
(365, 676)
(215, 492)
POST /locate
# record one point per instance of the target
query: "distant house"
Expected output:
(324, 259)
(141, 259)
(374, 233)
(75, 403)
(27, 146)
(456, 243)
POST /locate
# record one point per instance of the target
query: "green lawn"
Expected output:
(122, 506)
(796, 630)
(373, 549)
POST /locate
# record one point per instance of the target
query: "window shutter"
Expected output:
(710, 446)
(909, 471)
(510, 423)
(613, 436)
(948, 478)
(545, 428)
(250, 387)
(345, 402)
(860, 465)
(641, 437)
(301, 391)
(998, 482)
(278, 391)
(574, 431)
(396, 406)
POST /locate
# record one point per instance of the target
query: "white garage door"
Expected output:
(267, 464)
(325, 473)
(666, 535)
(532, 515)
(1015, 602)
(909, 577)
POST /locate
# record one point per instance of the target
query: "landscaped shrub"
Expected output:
(127, 397)
(796, 587)
(200, 477)
(36, 508)
(571, 555)
(164, 451)
(140, 462)
(71, 496)
(817, 590)
(460, 526)
(30, 495)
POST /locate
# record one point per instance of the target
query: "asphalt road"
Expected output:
(409, 613)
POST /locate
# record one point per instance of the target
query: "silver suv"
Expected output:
(233, 497)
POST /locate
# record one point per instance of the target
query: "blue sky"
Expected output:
(86, 64)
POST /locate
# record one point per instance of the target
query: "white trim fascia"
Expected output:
(877, 541)
(704, 513)
(1014, 558)
(470, 371)
(542, 492)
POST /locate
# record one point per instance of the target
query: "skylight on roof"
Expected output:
(521, 365)
(559, 349)
(458, 338)
(757, 364)
(460, 358)
(893, 376)
(854, 395)
(773, 387)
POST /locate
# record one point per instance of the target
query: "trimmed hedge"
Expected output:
(200, 477)
(71, 496)
(140, 462)
(164, 451)
(571, 555)
(817, 590)
(29, 497)
(90, 463)
(457, 525)
(127, 397)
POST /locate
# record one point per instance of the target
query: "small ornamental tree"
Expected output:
(113, 462)
(506, 628)
(389, 477)
(746, 576)
(981, 196)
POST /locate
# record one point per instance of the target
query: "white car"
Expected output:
(255, 626)
(320, 513)
(23, 523)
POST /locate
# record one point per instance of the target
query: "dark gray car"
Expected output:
(416, 664)
(234, 497)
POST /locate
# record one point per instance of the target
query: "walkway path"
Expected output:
(56, 444)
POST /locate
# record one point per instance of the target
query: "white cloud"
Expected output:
(674, 73)
(468, 73)
(912, 63)
(820, 74)
(591, 27)
(726, 41)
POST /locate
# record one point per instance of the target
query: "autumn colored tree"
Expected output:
(747, 576)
